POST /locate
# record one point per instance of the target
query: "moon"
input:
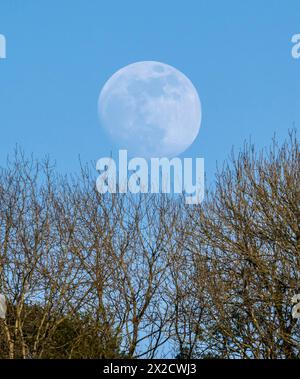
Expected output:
(151, 109)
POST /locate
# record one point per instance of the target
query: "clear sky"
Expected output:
(60, 53)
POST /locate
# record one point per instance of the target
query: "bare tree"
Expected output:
(87, 275)
(246, 237)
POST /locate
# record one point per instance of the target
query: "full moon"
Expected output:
(151, 109)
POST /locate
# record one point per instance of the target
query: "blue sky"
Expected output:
(60, 53)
